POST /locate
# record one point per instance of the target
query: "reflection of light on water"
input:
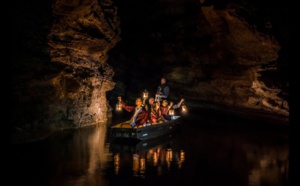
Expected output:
(135, 165)
(90, 153)
(155, 158)
(182, 155)
(159, 170)
(117, 163)
(145, 144)
(254, 178)
(139, 165)
(142, 167)
(264, 163)
(181, 159)
(150, 154)
(95, 143)
(169, 157)
(141, 161)
(267, 171)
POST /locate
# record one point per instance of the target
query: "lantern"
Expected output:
(183, 108)
(119, 106)
(145, 94)
(171, 112)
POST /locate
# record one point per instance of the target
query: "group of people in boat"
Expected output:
(153, 112)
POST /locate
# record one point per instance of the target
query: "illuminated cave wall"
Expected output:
(60, 74)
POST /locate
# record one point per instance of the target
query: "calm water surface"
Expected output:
(209, 149)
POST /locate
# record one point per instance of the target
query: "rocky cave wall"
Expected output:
(60, 74)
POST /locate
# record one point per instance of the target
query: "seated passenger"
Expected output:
(148, 108)
(140, 115)
(165, 109)
(151, 100)
(155, 114)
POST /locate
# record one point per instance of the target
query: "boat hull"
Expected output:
(125, 131)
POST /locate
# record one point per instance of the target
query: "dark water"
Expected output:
(208, 149)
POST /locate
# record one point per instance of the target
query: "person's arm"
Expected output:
(144, 102)
(124, 106)
(176, 106)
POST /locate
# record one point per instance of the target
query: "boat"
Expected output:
(124, 131)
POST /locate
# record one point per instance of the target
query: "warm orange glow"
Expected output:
(117, 163)
(183, 108)
(145, 94)
(119, 106)
(142, 166)
(135, 166)
(182, 155)
(155, 158)
(169, 157)
(181, 159)
(171, 112)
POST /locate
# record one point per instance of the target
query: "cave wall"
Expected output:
(60, 74)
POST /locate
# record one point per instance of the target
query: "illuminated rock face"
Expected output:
(81, 35)
(60, 72)
(68, 52)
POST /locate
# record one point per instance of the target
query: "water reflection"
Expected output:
(193, 156)
(155, 155)
(269, 167)
(72, 157)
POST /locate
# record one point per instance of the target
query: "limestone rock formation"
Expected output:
(61, 80)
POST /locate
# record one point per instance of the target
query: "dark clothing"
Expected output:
(163, 91)
(148, 109)
(141, 118)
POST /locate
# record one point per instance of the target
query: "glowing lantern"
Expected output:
(171, 112)
(119, 106)
(183, 108)
(145, 94)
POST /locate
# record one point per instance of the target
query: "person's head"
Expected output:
(164, 103)
(138, 102)
(155, 106)
(163, 80)
(151, 100)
